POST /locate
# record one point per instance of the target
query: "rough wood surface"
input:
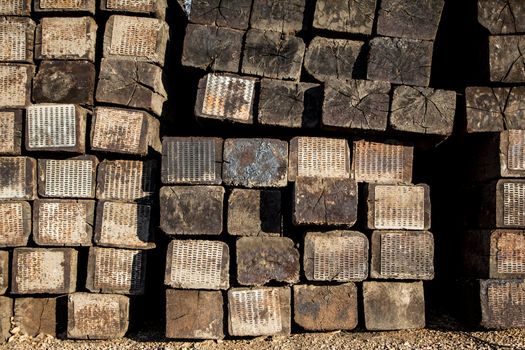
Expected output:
(280, 16)
(11, 132)
(35, 316)
(332, 58)
(232, 14)
(194, 314)
(195, 210)
(4, 274)
(15, 224)
(65, 6)
(502, 303)
(15, 85)
(261, 260)
(212, 48)
(502, 204)
(345, 16)
(17, 39)
(289, 104)
(325, 201)
(254, 212)
(16, 8)
(502, 16)
(356, 105)
(409, 19)
(325, 308)
(18, 179)
(400, 61)
(423, 110)
(6, 312)
(156, 8)
(507, 58)
(133, 84)
(273, 55)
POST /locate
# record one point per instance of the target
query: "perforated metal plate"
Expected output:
(13, 85)
(135, 37)
(40, 270)
(339, 259)
(69, 178)
(255, 312)
(15, 225)
(68, 38)
(131, 5)
(118, 270)
(382, 162)
(51, 126)
(399, 207)
(406, 255)
(190, 161)
(7, 132)
(14, 7)
(118, 130)
(505, 303)
(510, 258)
(196, 264)
(516, 150)
(13, 40)
(127, 180)
(13, 182)
(62, 223)
(97, 316)
(322, 157)
(514, 204)
(228, 97)
(125, 225)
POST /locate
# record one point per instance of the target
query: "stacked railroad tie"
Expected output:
(493, 252)
(64, 174)
(263, 73)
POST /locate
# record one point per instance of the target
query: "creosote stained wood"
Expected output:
(194, 314)
(271, 54)
(409, 19)
(4, 272)
(36, 315)
(17, 39)
(261, 260)
(15, 8)
(332, 58)
(325, 308)
(195, 210)
(502, 204)
(502, 16)
(507, 58)
(325, 201)
(277, 15)
(10, 132)
(15, 85)
(156, 8)
(231, 14)
(289, 104)
(345, 16)
(400, 61)
(212, 48)
(18, 179)
(65, 82)
(15, 223)
(134, 84)
(502, 303)
(423, 110)
(65, 6)
(393, 305)
(356, 105)
(6, 312)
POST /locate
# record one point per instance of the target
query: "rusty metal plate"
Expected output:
(15, 223)
(136, 37)
(255, 312)
(69, 178)
(510, 256)
(124, 225)
(228, 97)
(8, 132)
(406, 255)
(191, 160)
(516, 150)
(68, 38)
(197, 264)
(503, 303)
(13, 40)
(131, 5)
(63, 222)
(15, 7)
(382, 162)
(38, 270)
(16, 178)
(117, 270)
(514, 204)
(399, 207)
(322, 157)
(126, 180)
(119, 130)
(97, 316)
(52, 126)
(14, 83)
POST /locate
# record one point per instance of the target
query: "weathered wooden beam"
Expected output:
(15, 224)
(507, 58)
(18, 179)
(4, 275)
(156, 8)
(281, 16)
(15, 85)
(11, 131)
(231, 14)
(6, 313)
(502, 204)
(45, 6)
(355, 17)
(502, 303)
(17, 39)
(502, 16)
(16, 8)
(35, 316)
